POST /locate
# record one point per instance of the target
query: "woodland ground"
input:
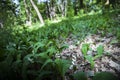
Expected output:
(29, 52)
(108, 62)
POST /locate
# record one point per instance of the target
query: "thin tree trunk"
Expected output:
(52, 3)
(65, 8)
(75, 7)
(1, 24)
(107, 5)
(81, 3)
(52, 10)
(62, 8)
(47, 9)
(107, 2)
(37, 11)
(28, 13)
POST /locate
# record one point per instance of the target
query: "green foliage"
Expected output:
(85, 48)
(81, 12)
(105, 76)
(98, 76)
(118, 34)
(30, 54)
(91, 60)
(46, 63)
(100, 51)
(70, 12)
(62, 66)
(80, 76)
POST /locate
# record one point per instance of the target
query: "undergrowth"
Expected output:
(30, 54)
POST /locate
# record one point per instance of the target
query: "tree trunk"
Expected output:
(75, 7)
(107, 5)
(1, 24)
(28, 14)
(64, 11)
(47, 9)
(66, 7)
(62, 7)
(52, 10)
(107, 2)
(37, 11)
(81, 4)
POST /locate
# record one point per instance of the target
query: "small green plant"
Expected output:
(100, 50)
(85, 48)
(62, 66)
(91, 60)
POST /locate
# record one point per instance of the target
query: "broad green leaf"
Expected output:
(100, 50)
(44, 55)
(91, 60)
(37, 46)
(50, 42)
(51, 51)
(85, 48)
(46, 63)
(62, 66)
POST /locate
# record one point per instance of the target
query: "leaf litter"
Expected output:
(108, 62)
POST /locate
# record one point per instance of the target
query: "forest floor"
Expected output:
(71, 33)
(108, 62)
